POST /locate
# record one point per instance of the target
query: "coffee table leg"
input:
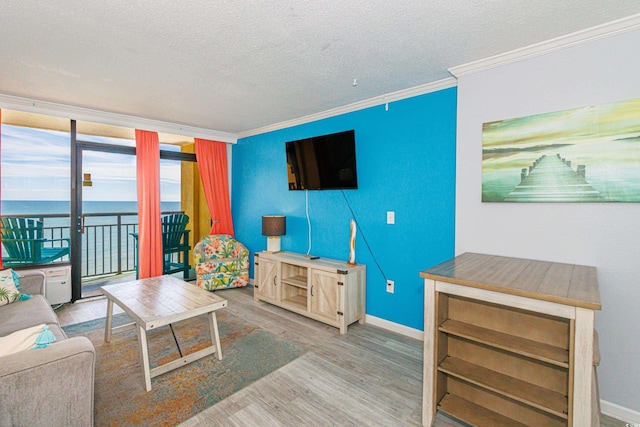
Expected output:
(215, 336)
(108, 326)
(144, 357)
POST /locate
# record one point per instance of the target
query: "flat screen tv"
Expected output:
(326, 162)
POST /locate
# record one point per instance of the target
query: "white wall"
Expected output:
(605, 235)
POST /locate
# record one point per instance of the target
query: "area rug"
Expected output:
(249, 353)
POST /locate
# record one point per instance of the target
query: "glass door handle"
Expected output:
(80, 224)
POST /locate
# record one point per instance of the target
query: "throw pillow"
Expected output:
(35, 337)
(8, 290)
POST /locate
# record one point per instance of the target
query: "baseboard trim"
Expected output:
(394, 327)
(620, 412)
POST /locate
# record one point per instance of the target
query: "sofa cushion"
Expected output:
(24, 314)
(32, 282)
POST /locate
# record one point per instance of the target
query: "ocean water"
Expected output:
(62, 208)
(100, 242)
(20, 207)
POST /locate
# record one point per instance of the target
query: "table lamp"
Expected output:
(274, 226)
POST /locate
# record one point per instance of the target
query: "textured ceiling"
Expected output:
(235, 66)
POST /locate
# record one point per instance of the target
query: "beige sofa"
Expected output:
(51, 386)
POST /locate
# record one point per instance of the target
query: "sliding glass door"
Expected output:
(104, 207)
(108, 219)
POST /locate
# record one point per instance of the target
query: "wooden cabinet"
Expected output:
(509, 341)
(326, 290)
(326, 297)
(265, 283)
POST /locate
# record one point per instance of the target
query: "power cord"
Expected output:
(306, 196)
(363, 236)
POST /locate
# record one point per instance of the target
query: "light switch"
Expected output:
(391, 217)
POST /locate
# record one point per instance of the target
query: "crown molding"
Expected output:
(81, 113)
(356, 106)
(608, 29)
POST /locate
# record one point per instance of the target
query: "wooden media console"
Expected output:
(326, 290)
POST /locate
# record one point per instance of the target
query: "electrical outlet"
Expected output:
(391, 217)
(390, 285)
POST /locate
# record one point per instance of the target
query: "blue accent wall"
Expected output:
(405, 163)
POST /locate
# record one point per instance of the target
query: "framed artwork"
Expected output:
(589, 154)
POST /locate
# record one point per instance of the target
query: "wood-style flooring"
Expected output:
(368, 377)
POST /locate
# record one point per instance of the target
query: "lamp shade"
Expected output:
(274, 225)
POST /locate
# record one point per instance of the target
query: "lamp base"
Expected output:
(273, 244)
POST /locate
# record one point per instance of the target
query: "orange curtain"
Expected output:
(149, 228)
(212, 164)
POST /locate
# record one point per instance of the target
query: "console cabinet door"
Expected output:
(266, 274)
(325, 295)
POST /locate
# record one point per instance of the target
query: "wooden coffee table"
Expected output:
(160, 301)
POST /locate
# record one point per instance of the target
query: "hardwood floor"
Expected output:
(369, 376)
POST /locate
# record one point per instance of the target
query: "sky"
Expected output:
(570, 126)
(36, 166)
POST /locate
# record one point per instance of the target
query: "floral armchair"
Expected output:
(221, 262)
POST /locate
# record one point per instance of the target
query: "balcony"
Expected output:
(108, 248)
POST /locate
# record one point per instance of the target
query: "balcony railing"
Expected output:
(107, 245)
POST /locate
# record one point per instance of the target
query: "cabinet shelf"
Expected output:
(509, 341)
(474, 414)
(539, 397)
(297, 281)
(296, 300)
(536, 350)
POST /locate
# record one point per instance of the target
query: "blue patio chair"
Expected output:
(24, 243)
(175, 241)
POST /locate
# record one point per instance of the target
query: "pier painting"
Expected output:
(589, 154)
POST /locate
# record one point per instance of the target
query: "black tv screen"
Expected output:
(326, 162)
